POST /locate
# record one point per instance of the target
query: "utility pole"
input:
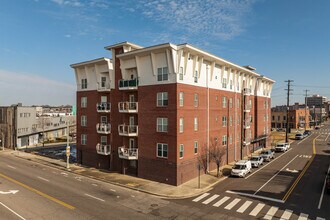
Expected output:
(287, 109)
(306, 91)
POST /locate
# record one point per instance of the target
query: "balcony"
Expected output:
(103, 107)
(103, 87)
(128, 153)
(103, 149)
(128, 107)
(246, 91)
(131, 84)
(128, 130)
(103, 128)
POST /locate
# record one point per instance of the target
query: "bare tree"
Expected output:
(202, 158)
(217, 151)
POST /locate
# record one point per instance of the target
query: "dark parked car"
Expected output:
(307, 133)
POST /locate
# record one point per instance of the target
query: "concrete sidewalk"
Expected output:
(186, 190)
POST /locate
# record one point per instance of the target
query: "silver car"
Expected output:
(256, 161)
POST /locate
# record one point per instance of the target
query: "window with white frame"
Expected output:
(83, 120)
(104, 140)
(83, 83)
(162, 74)
(224, 83)
(224, 140)
(195, 147)
(83, 102)
(196, 100)
(230, 120)
(181, 125)
(181, 150)
(162, 124)
(162, 150)
(162, 99)
(181, 73)
(224, 101)
(224, 121)
(83, 139)
(231, 84)
(181, 99)
(230, 102)
(195, 124)
(196, 76)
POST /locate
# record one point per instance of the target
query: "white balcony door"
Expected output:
(103, 81)
(131, 143)
(131, 120)
(131, 98)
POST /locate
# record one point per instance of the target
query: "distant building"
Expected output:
(316, 100)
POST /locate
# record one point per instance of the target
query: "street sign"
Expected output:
(67, 151)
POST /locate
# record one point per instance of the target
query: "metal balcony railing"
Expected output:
(104, 107)
(128, 130)
(103, 87)
(128, 107)
(103, 149)
(103, 128)
(128, 84)
(128, 153)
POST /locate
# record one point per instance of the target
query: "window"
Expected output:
(162, 150)
(181, 73)
(196, 100)
(103, 99)
(196, 77)
(195, 124)
(162, 74)
(195, 147)
(230, 139)
(83, 139)
(181, 150)
(83, 83)
(230, 120)
(231, 84)
(104, 140)
(224, 102)
(224, 140)
(83, 102)
(237, 86)
(230, 103)
(84, 120)
(162, 99)
(181, 125)
(224, 83)
(162, 124)
(104, 119)
(224, 121)
(238, 103)
(103, 81)
(181, 99)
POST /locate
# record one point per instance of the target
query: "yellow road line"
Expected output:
(38, 192)
(288, 193)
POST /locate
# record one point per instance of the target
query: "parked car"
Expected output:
(307, 133)
(267, 155)
(241, 168)
(256, 161)
(287, 145)
(328, 182)
(299, 136)
(281, 147)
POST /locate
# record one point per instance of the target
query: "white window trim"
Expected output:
(164, 126)
(162, 156)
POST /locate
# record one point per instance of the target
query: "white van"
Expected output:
(241, 168)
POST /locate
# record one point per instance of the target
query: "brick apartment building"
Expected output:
(149, 111)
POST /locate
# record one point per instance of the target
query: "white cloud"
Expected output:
(67, 35)
(74, 3)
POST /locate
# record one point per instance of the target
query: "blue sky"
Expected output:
(39, 39)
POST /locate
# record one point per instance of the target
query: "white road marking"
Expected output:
(257, 209)
(303, 216)
(232, 204)
(210, 199)
(94, 197)
(275, 175)
(9, 192)
(201, 197)
(325, 182)
(327, 137)
(11, 167)
(12, 211)
(267, 164)
(43, 179)
(256, 196)
(113, 190)
(286, 214)
(244, 207)
(271, 212)
(221, 201)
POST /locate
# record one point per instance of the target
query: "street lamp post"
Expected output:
(67, 147)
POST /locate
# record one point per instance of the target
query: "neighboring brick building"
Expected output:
(150, 111)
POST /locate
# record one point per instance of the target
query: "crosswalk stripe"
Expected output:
(257, 209)
(271, 212)
(232, 204)
(201, 197)
(210, 199)
(319, 218)
(286, 214)
(303, 216)
(244, 207)
(221, 201)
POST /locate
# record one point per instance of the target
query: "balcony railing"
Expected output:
(128, 130)
(104, 107)
(128, 84)
(103, 128)
(128, 153)
(103, 87)
(246, 91)
(128, 107)
(103, 149)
